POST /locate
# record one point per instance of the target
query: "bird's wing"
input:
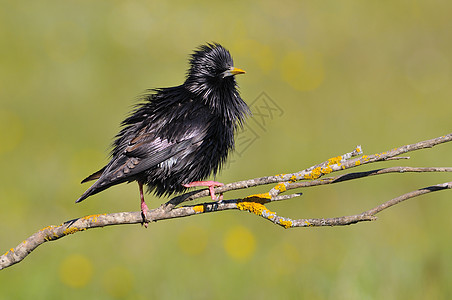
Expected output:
(146, 150)
(143, 152)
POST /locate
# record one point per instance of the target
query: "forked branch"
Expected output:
(254, 203)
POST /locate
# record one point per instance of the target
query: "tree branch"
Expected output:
(254, 203)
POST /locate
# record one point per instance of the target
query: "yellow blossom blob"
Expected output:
(240, 243)
(76, 271)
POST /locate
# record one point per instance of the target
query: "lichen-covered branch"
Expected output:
(254, 203)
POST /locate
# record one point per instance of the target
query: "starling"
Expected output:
(178, 136)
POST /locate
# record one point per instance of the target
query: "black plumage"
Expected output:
(178, 135)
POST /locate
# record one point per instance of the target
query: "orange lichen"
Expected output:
(198, 208)
(286, 224)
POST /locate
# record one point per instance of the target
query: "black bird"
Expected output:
(178, 136)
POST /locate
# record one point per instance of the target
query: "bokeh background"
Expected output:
(341, 73)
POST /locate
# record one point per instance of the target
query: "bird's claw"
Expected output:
(210, 184)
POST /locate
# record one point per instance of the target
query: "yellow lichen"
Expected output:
(92, 218)
(270, 215)
(198, 208)
(49, 237)
(308, 223)
(286, 224)
(317, 172)
(52, 235)
(326, 170)
(260, 198)
(72, 230)
(281, 187)
(51, 227)
(308, 176)
(357, 163)
(334, 160)
(314, 174)
(293, 178)
(254, 207)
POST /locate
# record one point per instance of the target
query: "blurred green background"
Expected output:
(375, 73)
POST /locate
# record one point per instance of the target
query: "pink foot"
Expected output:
(144, 207)
(210, 184)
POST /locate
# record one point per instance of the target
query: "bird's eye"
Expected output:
(210, 70)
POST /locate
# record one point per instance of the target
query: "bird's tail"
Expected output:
(86, 194)
(94, 176)
(97, 187)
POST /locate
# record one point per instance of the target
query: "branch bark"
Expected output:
(254, 203)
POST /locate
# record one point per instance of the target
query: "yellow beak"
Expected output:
(233, 71)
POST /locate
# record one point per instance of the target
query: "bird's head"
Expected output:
(211, 71)
(211, 79)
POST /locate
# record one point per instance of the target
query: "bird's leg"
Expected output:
(210, 184)
(144, 207)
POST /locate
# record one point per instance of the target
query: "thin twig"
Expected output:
(253, 203)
